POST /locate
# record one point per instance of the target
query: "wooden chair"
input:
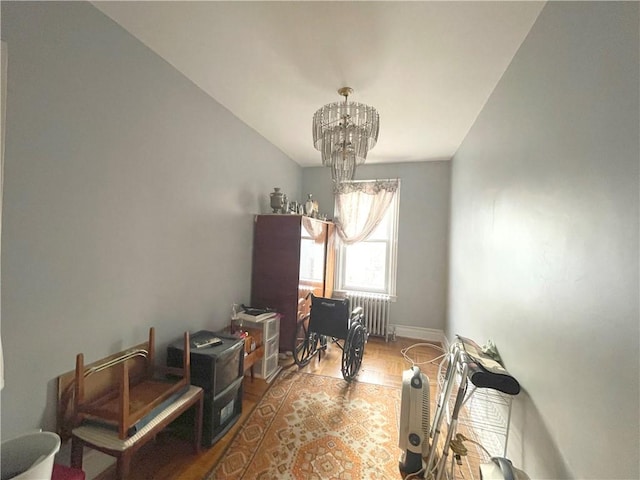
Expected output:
(121, 402)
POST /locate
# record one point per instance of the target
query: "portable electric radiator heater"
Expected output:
(414, 420)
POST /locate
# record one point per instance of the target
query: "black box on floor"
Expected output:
(219, 370)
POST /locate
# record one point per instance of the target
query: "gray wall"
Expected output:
(128, 201)
(129, 195)
(544, 239)
(422, 237)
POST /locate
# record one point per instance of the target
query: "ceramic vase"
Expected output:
(309, 206)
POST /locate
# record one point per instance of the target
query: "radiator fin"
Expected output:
(376, 311)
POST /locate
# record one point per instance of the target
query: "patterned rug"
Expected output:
(310, 427)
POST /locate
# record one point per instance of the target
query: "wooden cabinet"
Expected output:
(292, 256)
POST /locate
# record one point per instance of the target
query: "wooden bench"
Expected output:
(119, 403)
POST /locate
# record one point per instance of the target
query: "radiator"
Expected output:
(376, 311)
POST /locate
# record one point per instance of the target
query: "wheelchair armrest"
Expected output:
(356, 312)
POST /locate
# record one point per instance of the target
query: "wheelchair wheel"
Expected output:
(305, 345)
(353, 351)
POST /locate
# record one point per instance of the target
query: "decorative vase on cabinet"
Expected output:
(277, 200)
(310, 206)
(293, 255)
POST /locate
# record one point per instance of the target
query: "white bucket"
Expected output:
(29, 457)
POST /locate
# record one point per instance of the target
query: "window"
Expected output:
(370, 265)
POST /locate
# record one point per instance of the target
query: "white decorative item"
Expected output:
(309, 206)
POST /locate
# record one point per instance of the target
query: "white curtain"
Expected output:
(313, 228)
(360, 206)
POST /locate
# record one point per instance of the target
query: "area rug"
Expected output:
(311, 427)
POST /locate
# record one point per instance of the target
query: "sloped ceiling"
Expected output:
(428, 67)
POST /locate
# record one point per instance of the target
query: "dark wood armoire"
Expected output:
(292, 256)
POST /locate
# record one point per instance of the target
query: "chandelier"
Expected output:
(344, 132)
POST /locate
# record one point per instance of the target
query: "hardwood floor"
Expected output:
(171, 457)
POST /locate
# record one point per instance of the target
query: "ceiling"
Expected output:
(427, 67)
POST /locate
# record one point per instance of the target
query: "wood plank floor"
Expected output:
(172, 458)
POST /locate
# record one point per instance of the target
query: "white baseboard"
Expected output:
(419, 333)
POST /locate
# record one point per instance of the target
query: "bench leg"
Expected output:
(77, 447)
(123, 464)
(197, 425)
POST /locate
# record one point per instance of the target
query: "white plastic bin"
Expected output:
(29, 457)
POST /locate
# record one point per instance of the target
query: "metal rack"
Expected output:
(481, 415)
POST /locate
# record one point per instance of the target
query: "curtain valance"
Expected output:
(361, 205)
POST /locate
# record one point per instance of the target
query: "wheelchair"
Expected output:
(330, 318)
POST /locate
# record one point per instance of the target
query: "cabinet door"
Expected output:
(276, 267)
(313, 257)
(313, 250)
